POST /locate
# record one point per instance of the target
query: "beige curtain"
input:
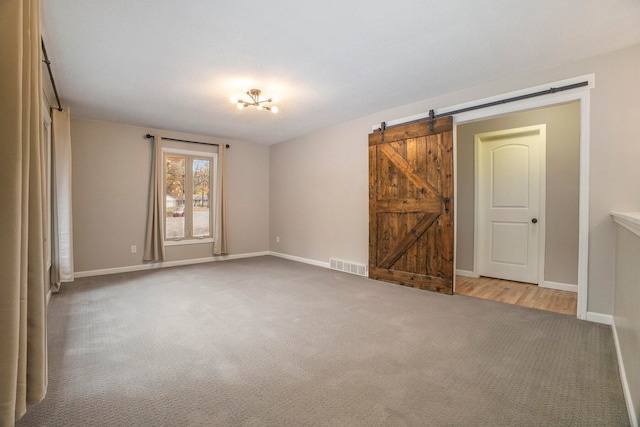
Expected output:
(154, 242)
(221, 239)
(62, 253)
(23, 317)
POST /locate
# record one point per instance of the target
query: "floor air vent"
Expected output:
(348, 267)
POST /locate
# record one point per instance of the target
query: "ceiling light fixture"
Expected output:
(254, 94)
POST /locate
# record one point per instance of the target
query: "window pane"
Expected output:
(201, 184)
(174, 193)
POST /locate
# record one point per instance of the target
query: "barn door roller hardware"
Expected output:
(432, 116)
(383, 126)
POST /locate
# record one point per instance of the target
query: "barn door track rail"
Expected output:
(433, 116)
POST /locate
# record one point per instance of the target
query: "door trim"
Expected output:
(542, 223)
(581, 94)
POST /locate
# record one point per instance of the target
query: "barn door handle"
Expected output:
(446, 201)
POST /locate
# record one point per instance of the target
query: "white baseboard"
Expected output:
(558, 286)
(605, 319)
(165, 264)
(300, 259)
(466, 273)
(623, 377)
(240, 256)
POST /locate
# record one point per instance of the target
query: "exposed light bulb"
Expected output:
(259, 107)
(233, 100)
(240, 105)
(275, 99)
(274, 109)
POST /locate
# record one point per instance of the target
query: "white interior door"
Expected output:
(511, 203)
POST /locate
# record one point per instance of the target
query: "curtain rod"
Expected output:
(148, 136)
(432, 116)
(53, 83)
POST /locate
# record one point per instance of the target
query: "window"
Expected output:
(189, 195)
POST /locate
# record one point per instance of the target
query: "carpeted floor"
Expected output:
(271, 342)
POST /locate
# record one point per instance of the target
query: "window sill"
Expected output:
(188, 241)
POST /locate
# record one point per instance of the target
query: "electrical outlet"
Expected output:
(134, 249)
(277, 239)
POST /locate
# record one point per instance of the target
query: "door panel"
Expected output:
(503, 234)
(510, 176)
(411, 205)
(509, 189)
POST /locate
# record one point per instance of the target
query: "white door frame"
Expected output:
(542, 223)
(581, 94)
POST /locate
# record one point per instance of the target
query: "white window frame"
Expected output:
(213, 173)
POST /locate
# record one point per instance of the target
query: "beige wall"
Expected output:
(318, 192)
(111, 167)
(318, 195)
(626, 313)
(562, 186)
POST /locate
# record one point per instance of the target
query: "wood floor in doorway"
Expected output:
(518, 293)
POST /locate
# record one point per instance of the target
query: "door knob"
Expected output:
(534, 220)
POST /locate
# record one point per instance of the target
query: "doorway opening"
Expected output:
(494, 239)
(564, 254)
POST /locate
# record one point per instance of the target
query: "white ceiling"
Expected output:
(174, 64)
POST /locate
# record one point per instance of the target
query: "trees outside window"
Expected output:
(188, 184)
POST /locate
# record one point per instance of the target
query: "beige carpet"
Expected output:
(270, 342)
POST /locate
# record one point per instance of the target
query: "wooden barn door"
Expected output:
(411, 205)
